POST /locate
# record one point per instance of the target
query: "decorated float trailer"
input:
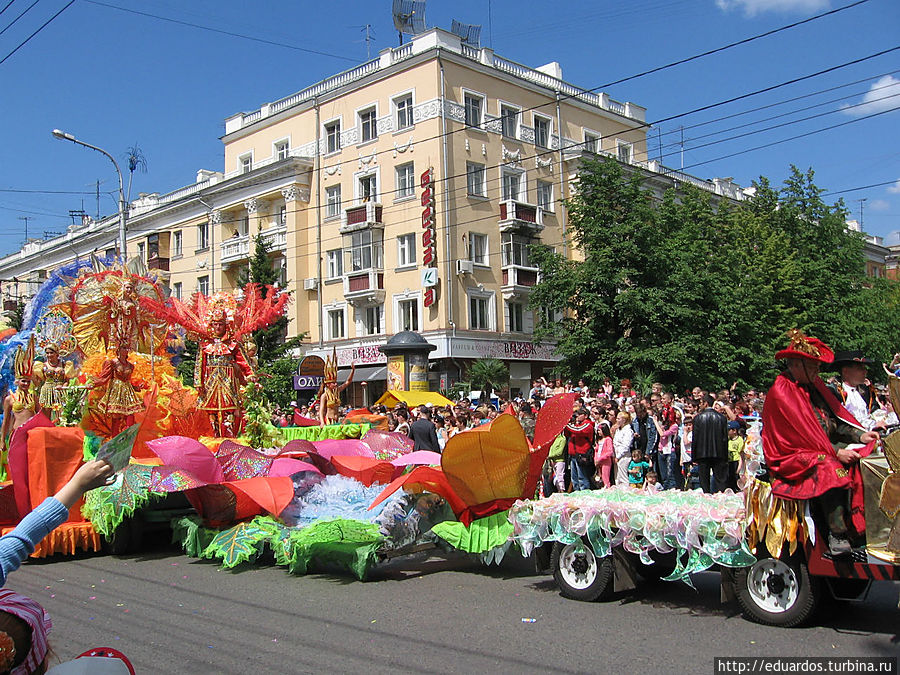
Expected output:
(771, 552)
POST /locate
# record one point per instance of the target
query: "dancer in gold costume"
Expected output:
(18, 406)
(330, 398)
(118, 401)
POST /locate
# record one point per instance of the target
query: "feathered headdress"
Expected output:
(331, 367)
(24, 363)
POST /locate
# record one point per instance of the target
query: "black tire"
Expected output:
(663, 565)
(126, 538)
(777, 592)
(580, 574)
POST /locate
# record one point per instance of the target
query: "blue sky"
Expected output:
(117, 79)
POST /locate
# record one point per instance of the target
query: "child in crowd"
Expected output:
(735, 450)
(557, 457)
(687, 439)
(604, 456)
(637, 469)
(652, 483)
(50, 514)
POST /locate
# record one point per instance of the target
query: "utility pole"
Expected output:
(26, 219)
(98, 200)
(682, 148)
(861, 204)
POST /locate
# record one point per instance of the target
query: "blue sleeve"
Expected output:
(20, 543)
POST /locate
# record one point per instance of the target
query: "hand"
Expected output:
(847, 457)
(868, 437)
(90, 475)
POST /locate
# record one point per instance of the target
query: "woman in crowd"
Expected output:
(622, 439)
(604, 455)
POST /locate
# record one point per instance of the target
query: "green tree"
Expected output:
(16, 316)
(488, 375)
(702, 292)
(273, 350)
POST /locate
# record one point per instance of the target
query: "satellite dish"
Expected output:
(470, 33)
(409, 17)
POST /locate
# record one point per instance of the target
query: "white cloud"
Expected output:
(754, 7)
(895, 188)
(879, 205)
(892, 238)
(883, 95)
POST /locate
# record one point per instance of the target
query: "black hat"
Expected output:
(848, 358)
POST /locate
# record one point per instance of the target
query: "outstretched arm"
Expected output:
(349, 379)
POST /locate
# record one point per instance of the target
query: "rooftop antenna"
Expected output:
(368, 29)
(470, 33)
(862, 203)
(409, 17)
(26, 219)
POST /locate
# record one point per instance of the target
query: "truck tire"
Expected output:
(777, 591)
(579, 573)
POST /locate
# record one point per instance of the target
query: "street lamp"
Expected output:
(63, 136)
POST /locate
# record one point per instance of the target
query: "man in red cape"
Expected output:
(805, 434)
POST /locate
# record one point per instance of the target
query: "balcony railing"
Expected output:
(361, 217)
(157, 263)
(235, 249)
(364, 287)
(516, 216)
(518, 281)
(276, 238)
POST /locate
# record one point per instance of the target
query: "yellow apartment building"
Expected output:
(398, 195)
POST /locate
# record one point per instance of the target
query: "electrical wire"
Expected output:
(42, 27)
(13, 22)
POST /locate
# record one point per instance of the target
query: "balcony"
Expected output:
(365, 287)
(237, 249)
(157, 263)
(519, 217)
(517, 281)
(362, 217)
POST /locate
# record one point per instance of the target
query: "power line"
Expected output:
(861, 187)
(222, 32)
(54, 192)
(13, 22)
(42, 27)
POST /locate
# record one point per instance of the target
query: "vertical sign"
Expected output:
(396, 373)
(418, 372)
(429, 231)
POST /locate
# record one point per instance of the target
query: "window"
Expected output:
(367, 124)
(511, 186)
(365, 250)
(245, 225)
(335, 263)
(372, 321)
(473, 105)
(516, 321)
(545, 195)
(281, 150)
(509, 118)
(246, 163)
(541, 132)
(478, 248)
(142, 251)
(111, 252)
(623, 151)
(408, 313)
(514, 250)
(282, 215)
(591, 142)
(475, 179)
(176, 243)
(368, 191)
(479, 312)
(177, 289)
(406, 250)
(203, 235)
(550, 316)
(404, 107)
(333, 136)
(335, 324)
(333, 201)
(406, 181)
(203, 285)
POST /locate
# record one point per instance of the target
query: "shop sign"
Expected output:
(429, 233)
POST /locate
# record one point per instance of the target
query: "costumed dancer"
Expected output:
(330, 398)
(51, 378)
(20, 405)
(806, 433)
(221, 368)
(119, 400)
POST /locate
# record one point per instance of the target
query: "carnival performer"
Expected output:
(221, 368)
(852, 390)
(806, 433)
(119, 400)
(20, 405)
(330, 397)
(50, 379)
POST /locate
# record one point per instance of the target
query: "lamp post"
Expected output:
(63, 136)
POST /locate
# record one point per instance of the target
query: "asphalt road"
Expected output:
(172, 614)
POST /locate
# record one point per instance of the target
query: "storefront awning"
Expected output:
(365, 374)
(412, 398)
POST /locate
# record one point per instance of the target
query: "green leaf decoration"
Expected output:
(190, 533)
(481, 536)
(107, 506)
(242, 542)
(332, 431)
(90, 445)
(346, 544)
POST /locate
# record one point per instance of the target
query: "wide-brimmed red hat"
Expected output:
(805, 347)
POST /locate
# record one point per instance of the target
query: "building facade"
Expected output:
(398, 195)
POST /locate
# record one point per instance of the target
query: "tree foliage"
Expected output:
(702, 292)
(273, 350)
(488, 375)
